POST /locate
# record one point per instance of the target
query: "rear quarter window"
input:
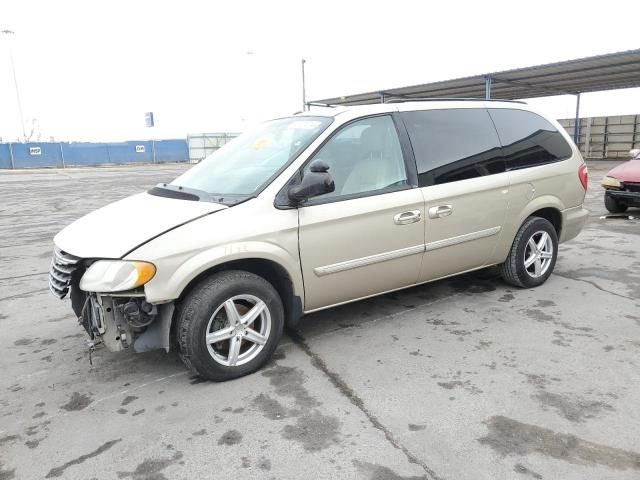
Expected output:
(528, 139)
(453, 145)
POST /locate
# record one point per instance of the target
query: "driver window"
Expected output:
(365, 156)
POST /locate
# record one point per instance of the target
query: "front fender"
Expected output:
(169, 283)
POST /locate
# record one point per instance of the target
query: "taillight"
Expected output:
(583, 175)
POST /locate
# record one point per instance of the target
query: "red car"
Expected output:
(622, 185)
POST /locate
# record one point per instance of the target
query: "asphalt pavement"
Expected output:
(466, 378)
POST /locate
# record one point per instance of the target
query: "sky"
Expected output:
(89, 70)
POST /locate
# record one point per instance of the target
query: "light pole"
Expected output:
(15, 82)
(304, 94)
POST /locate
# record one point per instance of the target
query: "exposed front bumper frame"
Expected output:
(625, 197)
(117, 335)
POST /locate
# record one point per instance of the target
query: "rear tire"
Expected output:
(229, 325)
(613, 205)
(533, 254)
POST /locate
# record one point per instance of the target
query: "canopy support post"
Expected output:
(576, 128)
(487, 87)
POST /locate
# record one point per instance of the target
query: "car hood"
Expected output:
(118, 228)
(627, 172)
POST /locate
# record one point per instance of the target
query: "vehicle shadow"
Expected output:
(358, 313)
(123, 366)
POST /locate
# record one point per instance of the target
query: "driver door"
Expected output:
(367, 236)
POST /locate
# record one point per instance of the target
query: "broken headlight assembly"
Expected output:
(610, 182)
(107, 276)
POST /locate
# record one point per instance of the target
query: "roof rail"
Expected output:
(316, 104)
(449, 99)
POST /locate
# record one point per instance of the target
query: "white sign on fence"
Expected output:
(139, 148)
(35, 151)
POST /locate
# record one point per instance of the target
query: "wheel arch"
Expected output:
(552, 215)
(270, 270)
(548, 207)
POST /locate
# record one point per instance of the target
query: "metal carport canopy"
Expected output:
(601, 72)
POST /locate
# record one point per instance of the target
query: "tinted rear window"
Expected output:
(528, 139)
(452, 145)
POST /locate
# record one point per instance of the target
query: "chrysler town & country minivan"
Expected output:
(316, 210)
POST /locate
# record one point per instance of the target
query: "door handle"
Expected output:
(440, 211)
(406, 218)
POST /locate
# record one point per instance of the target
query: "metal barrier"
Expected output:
(63, 154)
(606, 137)
(202, 145)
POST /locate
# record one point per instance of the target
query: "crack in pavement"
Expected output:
(593, 284)
(373, 320)
(24, 294)
(348, 392)
(133, 389)
(24, 276)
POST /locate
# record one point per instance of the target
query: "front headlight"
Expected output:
(116, 276)
(611, 182)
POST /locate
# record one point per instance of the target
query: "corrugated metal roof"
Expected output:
(590, 74)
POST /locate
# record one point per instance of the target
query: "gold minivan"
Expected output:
(316, 210)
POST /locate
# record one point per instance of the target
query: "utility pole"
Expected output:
(15, 82)
(304, 94)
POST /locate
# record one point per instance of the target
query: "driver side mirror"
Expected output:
(317, 182)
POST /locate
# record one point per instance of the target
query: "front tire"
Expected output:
(533, 254)
(229, 325)
(613, 205)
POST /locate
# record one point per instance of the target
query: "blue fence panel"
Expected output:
(34, 155)
(130, 152)
(171, 151)
(84, 153)
(5, 156)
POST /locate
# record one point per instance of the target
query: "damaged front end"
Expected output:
(120, 320)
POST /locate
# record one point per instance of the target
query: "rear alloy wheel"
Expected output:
(229, 325)
(613, 205)
(533, 254)
(538, 254)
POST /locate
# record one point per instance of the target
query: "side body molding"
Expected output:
(404, 252)
(370, 260)
(467, 237)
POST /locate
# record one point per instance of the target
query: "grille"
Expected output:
(62, 267)
(632, 187)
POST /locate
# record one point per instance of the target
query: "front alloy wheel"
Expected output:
(238, 330)
(229, 325)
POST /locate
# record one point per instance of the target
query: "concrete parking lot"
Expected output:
(466, 378)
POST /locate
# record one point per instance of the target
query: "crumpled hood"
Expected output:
(118, 228)
(627, 172)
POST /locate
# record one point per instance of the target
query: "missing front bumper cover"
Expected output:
(122, 322)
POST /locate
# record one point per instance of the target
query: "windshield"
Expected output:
(247, 163)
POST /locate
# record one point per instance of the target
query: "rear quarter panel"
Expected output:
(554, 185)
